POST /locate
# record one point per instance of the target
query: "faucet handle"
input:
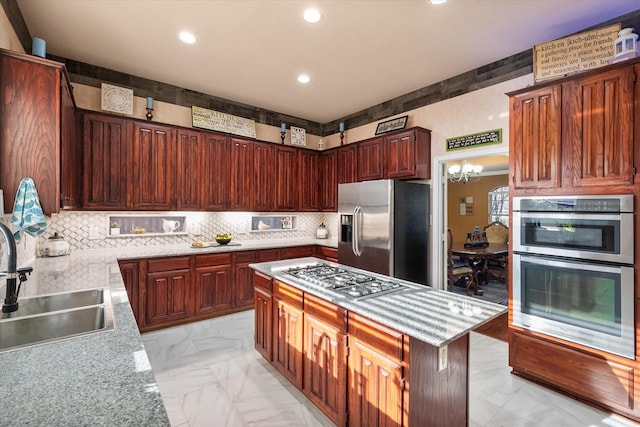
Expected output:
(22, 273)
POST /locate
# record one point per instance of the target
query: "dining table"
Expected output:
(478, 255)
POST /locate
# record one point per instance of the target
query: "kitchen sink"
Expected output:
(56, 317)
(56, 302)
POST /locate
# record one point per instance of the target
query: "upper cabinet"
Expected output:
(328, 180)
(575, 134)
(408, 154)
(286, 184)
(348, 164)
(370, 163)
(264, 159)
(308, 181)
(38, 130)
(241, 174)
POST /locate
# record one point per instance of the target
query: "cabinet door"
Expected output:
(308, 181)
(325, 368)
(106, 162)
(131, 278)
(287, 341)
(217, 172)
(213, 290)
(375, 391)
(70, 151)
(189, 181)
(243, 285)
(601, 125)
(535, 138)
(153, 167)
(264, 323)
(370, 164)
(348, 164)
(264, 161)
(286, 174)
(329, 181)
(167, 296)
(241, 174)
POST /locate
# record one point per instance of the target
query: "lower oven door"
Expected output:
(586, 303)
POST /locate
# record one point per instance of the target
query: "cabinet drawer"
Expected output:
(378, 337)
(213, 259)
(297, 252)
(287, 293)
(167, 264)
(246, 256)
(325, 252)
(326, 311)
(262, 281)
(591, 377)
(267, 255)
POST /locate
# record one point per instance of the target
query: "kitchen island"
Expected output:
(98, 379)
(400, 358)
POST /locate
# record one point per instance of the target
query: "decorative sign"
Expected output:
(580, 52)
(298, 136)
(222, 122)
(117, 99)
(466, 206)
(475, 139)
(393, 124)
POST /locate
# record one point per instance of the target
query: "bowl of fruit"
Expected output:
(223, 239)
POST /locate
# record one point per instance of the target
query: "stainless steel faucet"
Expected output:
(11, 299)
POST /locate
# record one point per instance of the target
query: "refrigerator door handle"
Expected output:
(357, 213)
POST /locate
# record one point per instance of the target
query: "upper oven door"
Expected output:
(601, 237)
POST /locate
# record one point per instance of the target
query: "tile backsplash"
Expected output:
(90, 230)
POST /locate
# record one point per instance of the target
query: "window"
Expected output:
(499, 205)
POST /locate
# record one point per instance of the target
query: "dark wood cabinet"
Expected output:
(376, 374)
(600, 116)
(35, 112)
(326, 253)
(190, 176)
(130, 271)
(296, 252)
(287, 332)
(328, 180)
(264, 160)
(308, 181)
(370, 163)
(153, 167)
(263, 333)
(216, 175)
(535, 138)
(243, 279)
(325, 357)
(407, 155)
(286, 184)
(167, 292)
(241, 175)
(348, 164)
(105, 162)
(70, 151)
(213, 283)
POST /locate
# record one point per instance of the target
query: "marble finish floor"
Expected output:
(210, 375)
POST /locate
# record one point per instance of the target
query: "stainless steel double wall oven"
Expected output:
(573, 274)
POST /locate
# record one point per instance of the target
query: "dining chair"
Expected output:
(496, 267)
(456, 268)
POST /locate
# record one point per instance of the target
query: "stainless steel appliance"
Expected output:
(573, 275)
(384, 228)
(351, 284)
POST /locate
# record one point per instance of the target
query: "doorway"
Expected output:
(440, 211)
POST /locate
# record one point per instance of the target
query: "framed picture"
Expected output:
(298, 136)
(393, 124)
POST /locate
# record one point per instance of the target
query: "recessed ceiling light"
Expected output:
(312, 15)
(303, 78)
(437, 1)
(187, 37)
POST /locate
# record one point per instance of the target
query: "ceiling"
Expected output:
(362, 53)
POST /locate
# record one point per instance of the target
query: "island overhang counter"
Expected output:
(405, 354)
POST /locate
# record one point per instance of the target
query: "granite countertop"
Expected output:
(100, 379)
(433, 316)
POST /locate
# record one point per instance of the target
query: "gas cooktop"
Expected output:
(353, 285)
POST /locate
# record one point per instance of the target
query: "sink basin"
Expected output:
(54, 317)
(57, 302)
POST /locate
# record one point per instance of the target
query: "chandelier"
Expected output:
(465, 173)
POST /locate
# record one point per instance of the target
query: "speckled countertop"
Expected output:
(432, 316)
(100, 379)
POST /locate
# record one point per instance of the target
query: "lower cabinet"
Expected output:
(287, 332)
(213, 283)
(130, 271)
(167, 291)
(327, 254)
(243, 279)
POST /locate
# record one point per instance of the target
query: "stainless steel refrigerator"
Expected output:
(384, 228)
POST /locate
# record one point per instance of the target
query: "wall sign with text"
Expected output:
(222, 122)
(475, 139)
